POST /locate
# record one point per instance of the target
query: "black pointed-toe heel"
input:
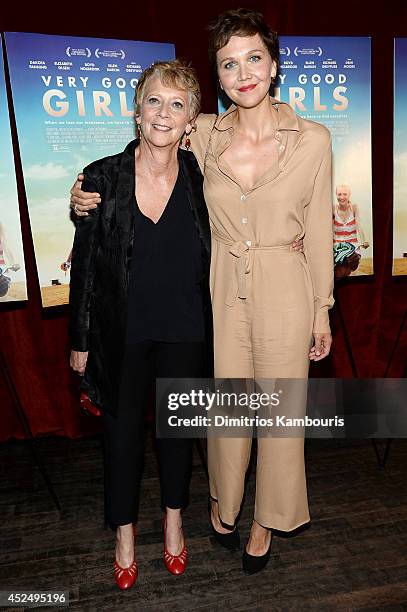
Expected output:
(252, 565)
(231, 540)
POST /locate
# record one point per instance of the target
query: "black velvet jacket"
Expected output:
(101, 259)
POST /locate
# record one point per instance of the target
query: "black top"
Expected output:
(165, 299)
(100, 273)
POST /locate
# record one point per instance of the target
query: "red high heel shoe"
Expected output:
(125, 577)
(175, 564)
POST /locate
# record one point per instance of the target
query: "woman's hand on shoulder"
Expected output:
(82, 201)
(78, 361)
(322, 346)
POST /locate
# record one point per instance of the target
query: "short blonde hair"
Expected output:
(175, 73)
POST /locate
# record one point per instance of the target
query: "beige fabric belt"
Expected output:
(238, 249)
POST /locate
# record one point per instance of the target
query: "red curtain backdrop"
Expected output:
(34, 341)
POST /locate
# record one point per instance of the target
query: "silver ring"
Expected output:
(76, 208)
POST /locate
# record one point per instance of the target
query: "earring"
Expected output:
(188, 140)
(138, 131)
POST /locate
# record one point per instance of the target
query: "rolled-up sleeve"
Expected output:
(318, 242)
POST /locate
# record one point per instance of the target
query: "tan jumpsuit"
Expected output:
(267, 299)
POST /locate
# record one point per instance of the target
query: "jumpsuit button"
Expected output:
(249, 242)
(243, 197)
(278, 135)
(244, 220)
(281, 147)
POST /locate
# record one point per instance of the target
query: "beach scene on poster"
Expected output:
(400, 158)
(328, 80)
(73, 102)
(13, 286)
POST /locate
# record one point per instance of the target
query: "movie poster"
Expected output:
(73, 101)
(400, 158)
(327, 79)
(13, 285)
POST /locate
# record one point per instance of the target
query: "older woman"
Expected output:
(267, 181)
(140, 303)
(7, 262)
(349, 236)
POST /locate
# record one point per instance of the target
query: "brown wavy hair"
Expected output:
(240, 22)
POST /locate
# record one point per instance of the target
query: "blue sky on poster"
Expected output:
(400, 148)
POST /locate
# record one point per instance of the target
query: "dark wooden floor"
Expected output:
(354, 556)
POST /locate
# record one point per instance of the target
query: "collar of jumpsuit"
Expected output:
(286, 118)
(289, 134)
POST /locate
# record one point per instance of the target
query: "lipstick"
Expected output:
(247, 88)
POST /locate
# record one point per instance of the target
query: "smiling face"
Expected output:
(164, 113)
(343, 194)
(245, 70)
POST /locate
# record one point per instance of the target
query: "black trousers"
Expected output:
(125, 434)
